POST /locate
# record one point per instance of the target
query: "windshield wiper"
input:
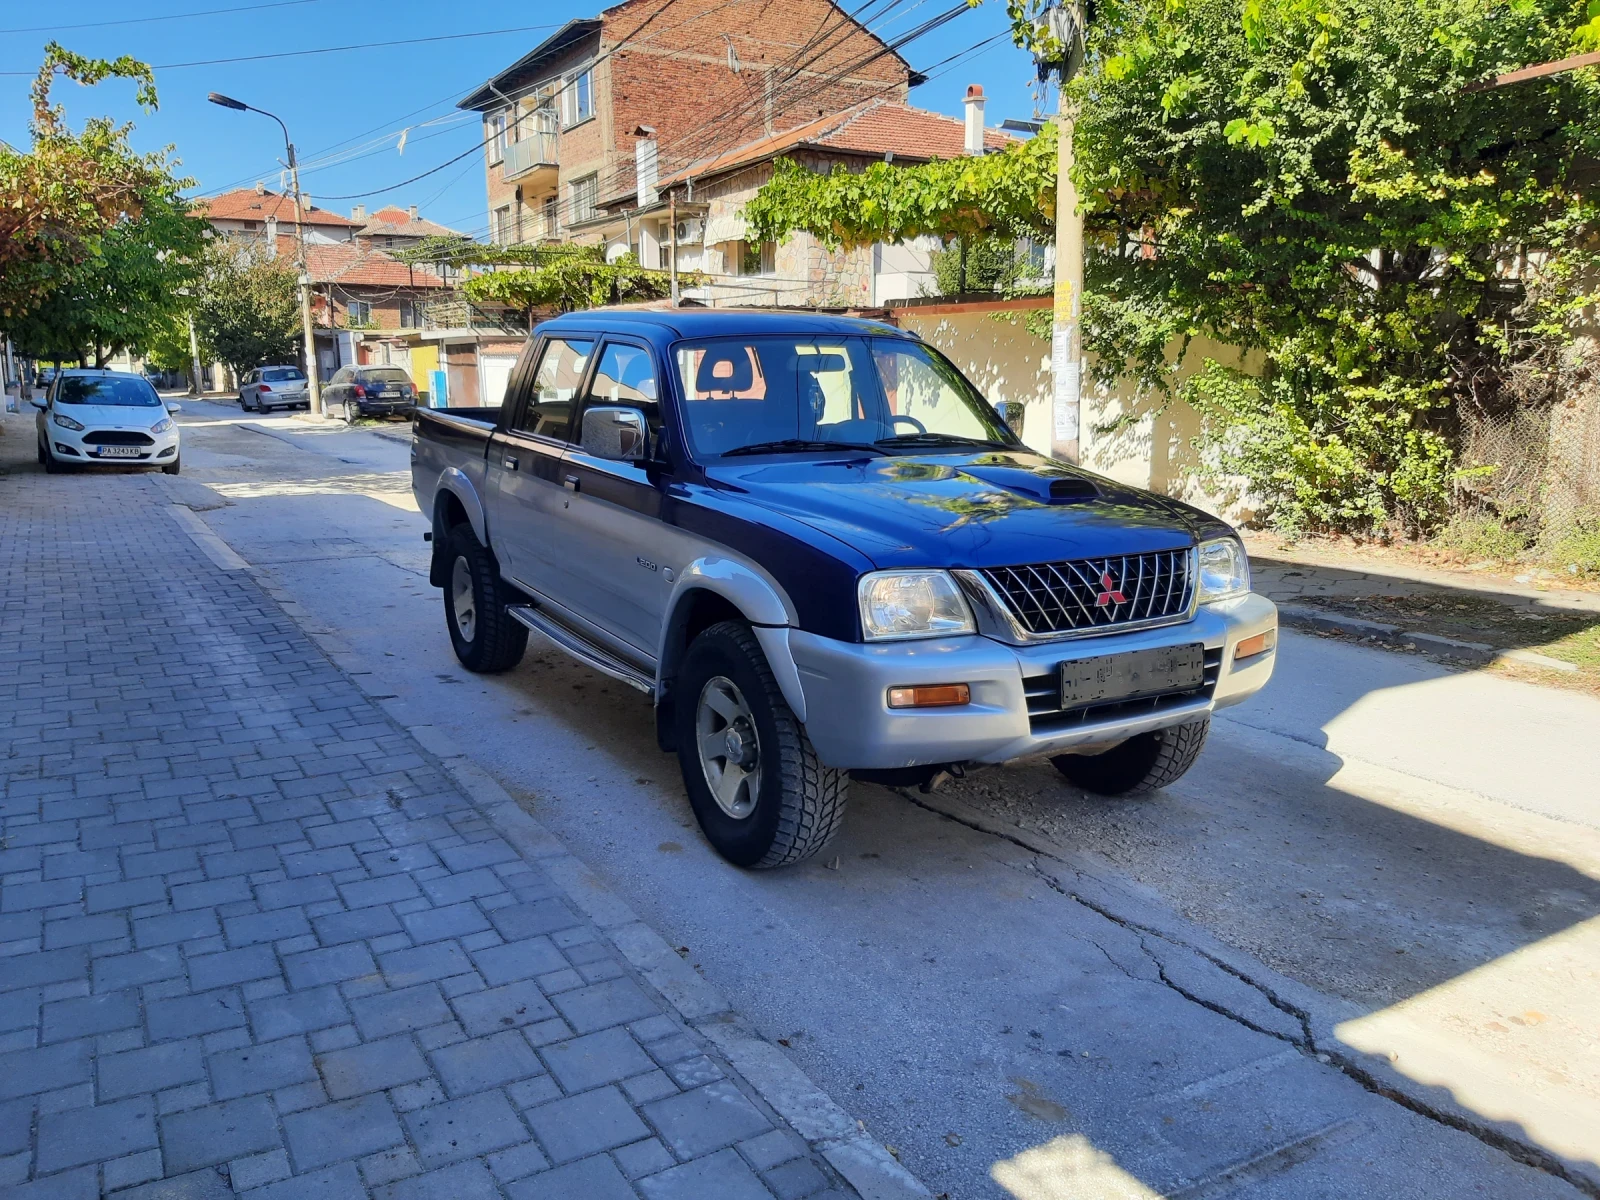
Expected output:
(942, 439)
(783, 444)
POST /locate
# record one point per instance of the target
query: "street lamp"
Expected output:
(313, 387)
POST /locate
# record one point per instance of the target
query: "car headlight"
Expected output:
(912, 604)
(162, 425)
(65, 421)
(1224, 569)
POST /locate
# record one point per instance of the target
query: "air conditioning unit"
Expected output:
(690, 231)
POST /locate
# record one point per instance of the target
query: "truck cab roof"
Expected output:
(672, 324)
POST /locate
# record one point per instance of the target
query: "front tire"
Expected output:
(1143, 763)
(172, 467)
(484, 636)
(762, 796)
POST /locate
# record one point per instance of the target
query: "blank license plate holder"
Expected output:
(1133, 673)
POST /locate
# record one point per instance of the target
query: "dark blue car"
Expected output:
(823, 554)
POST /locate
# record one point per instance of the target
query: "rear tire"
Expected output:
(352, 412)
(1141, 764)
(779, 804)
(484, 636)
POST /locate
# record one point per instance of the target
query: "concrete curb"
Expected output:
(1300, 617)
(862, 1161)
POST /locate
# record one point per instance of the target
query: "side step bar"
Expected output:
(585, 652)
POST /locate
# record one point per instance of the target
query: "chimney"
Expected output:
(974, 103)
(646, 164)
(261, 187)
(411, 212)
(272, 237)
(358, 213)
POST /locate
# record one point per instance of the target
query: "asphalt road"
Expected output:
(1032, 992)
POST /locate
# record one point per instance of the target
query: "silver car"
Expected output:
(267, 388)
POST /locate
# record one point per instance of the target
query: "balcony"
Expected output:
(535, 151)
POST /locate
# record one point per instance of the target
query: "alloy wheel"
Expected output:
(729, 747)
(463, 600)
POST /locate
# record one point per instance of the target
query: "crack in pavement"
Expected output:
(1527, 1154)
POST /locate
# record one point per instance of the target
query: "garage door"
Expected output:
(494, 374)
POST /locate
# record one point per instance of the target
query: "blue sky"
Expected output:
(346, 110)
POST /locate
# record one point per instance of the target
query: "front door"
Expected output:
(524, 466)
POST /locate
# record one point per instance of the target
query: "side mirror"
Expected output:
(1012, 413)
(39, 403)
(617, 433)
(173, 406)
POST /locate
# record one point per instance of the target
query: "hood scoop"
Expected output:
(1047, 487)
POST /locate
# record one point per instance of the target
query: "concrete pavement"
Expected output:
(1010, 981)
(255, 939)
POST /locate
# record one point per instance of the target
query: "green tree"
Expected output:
(531, 277)
(247, 312)
(977, 264)
(1311, 179)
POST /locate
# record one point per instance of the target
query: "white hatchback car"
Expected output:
(99, 416)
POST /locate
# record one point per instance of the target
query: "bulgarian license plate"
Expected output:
(389, 395)
(1135, 673)
(119, 452)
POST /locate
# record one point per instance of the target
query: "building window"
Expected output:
(585, 193)
(757, 258)
(408, 314)
(357, 313)
(500, 225)
(552, 216)
(497, 137)
(578, 98)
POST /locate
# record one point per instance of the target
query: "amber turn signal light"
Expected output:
(937, 695)
(1252, 646)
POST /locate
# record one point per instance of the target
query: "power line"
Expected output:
(208, 12)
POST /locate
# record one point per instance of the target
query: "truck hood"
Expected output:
(984, 509)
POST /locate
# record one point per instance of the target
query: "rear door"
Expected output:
(621, 552)
(524, 466)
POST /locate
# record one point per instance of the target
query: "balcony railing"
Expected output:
(535, 150)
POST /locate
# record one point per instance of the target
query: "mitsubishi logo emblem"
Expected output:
(1110, 593)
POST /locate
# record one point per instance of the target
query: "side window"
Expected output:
(548, 411)
(627, 375)
(341, 376)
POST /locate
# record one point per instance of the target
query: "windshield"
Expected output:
(794, 395)
(386, 375)
(282, 375)
(120, 391)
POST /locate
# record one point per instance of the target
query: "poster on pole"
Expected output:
(1067, 385)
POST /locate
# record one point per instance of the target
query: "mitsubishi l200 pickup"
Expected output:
(823, 555)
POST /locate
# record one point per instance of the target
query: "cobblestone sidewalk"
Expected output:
(253, 941)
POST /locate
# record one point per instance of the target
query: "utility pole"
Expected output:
(194, 357)
(308, 332)
(1066, 23)
(672, 232)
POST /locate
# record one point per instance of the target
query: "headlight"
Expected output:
(1224, 569)
(162, 425)
(65, 421)
(912, 604)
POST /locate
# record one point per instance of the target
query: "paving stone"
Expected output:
(79, 1184)
(186, 1016)
(795, 1180)
(723, 1175)
(29, 1072)
(219, 1133)
(87, 1135)
(314, 889)
(518, 960)
(693, 1072)
(452, 921)
(582, 1125)
(358, 925)
(465, 1128)
(126, 1172)
(107, 896)
(486, 1062)
(297, 1012)
(50, 966)
(86, 1016)
(211, 893)
(706, 1119)
(606, 1057)
(388, 890)
(386, 1166)
(266, 927)
(81, 931)
(772, 1148)
(332, 965)
(16, 1126)
(175, 927)
(332, 1183)
(209, 971)
(653, 1085)
(531, 1092)
(437, 960)
(335, 1132)
(644, 1158)
(261, 1068)
(594, 1178)
(152, 1069)
(517, 1162)
(137, 969)
(477, 854)
(599, 1005)
(394, 1012)
(259, 1170)
(371, 1067)
(462, 1181)
(520, 921)
(493, 1009)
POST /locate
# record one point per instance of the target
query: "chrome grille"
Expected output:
(1096, 593)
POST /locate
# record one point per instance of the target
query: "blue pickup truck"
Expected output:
(824, 555)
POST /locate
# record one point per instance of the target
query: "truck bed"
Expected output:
(443, 438)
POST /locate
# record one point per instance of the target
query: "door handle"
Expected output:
(509, 463)
(570, 483)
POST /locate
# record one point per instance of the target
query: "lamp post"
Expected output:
(1066, 22)
(313, 387)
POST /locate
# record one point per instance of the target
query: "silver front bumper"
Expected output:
(846, 685)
